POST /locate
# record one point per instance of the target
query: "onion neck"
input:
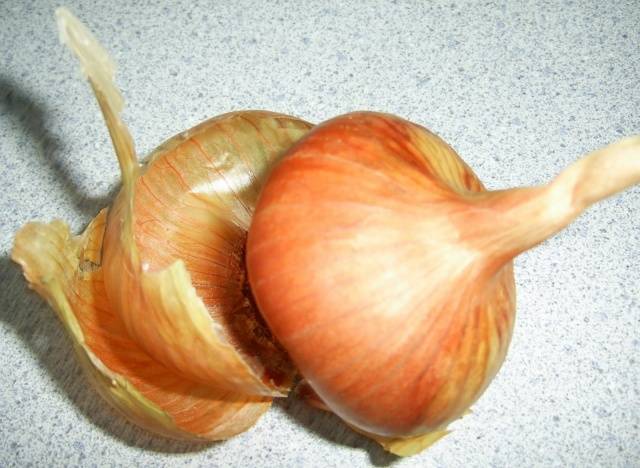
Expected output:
(509, 222)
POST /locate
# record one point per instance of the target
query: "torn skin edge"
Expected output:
(61, 267)
(168, 296)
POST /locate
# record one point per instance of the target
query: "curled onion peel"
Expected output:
(67, 271)
(154, 294)
(177, 274)
(384, 267)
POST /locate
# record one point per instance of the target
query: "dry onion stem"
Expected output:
(160, 313)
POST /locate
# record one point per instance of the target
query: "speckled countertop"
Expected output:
(520, 89)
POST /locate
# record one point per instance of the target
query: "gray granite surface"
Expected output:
(520, 89)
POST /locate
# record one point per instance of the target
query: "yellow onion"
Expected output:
(384, 267)
(153, 293)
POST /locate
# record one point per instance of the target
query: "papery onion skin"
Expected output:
(177, 276)
(354, 262)
(75, 273)
(67, 271)
(174, 241)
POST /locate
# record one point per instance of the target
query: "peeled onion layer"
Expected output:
(386, 271)
(67, 272)
(182, 261)
(152, 293)
(175, 238)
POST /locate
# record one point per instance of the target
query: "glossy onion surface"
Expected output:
(359, 259)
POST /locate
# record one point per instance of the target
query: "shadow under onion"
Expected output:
(330, 427)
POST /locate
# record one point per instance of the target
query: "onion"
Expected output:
(154, 292)
(384, 267)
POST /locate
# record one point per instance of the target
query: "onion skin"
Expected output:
(384, 267)
(334, 264)
(67, 271)
(166, 261)
(174, 240)
(174, 253)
